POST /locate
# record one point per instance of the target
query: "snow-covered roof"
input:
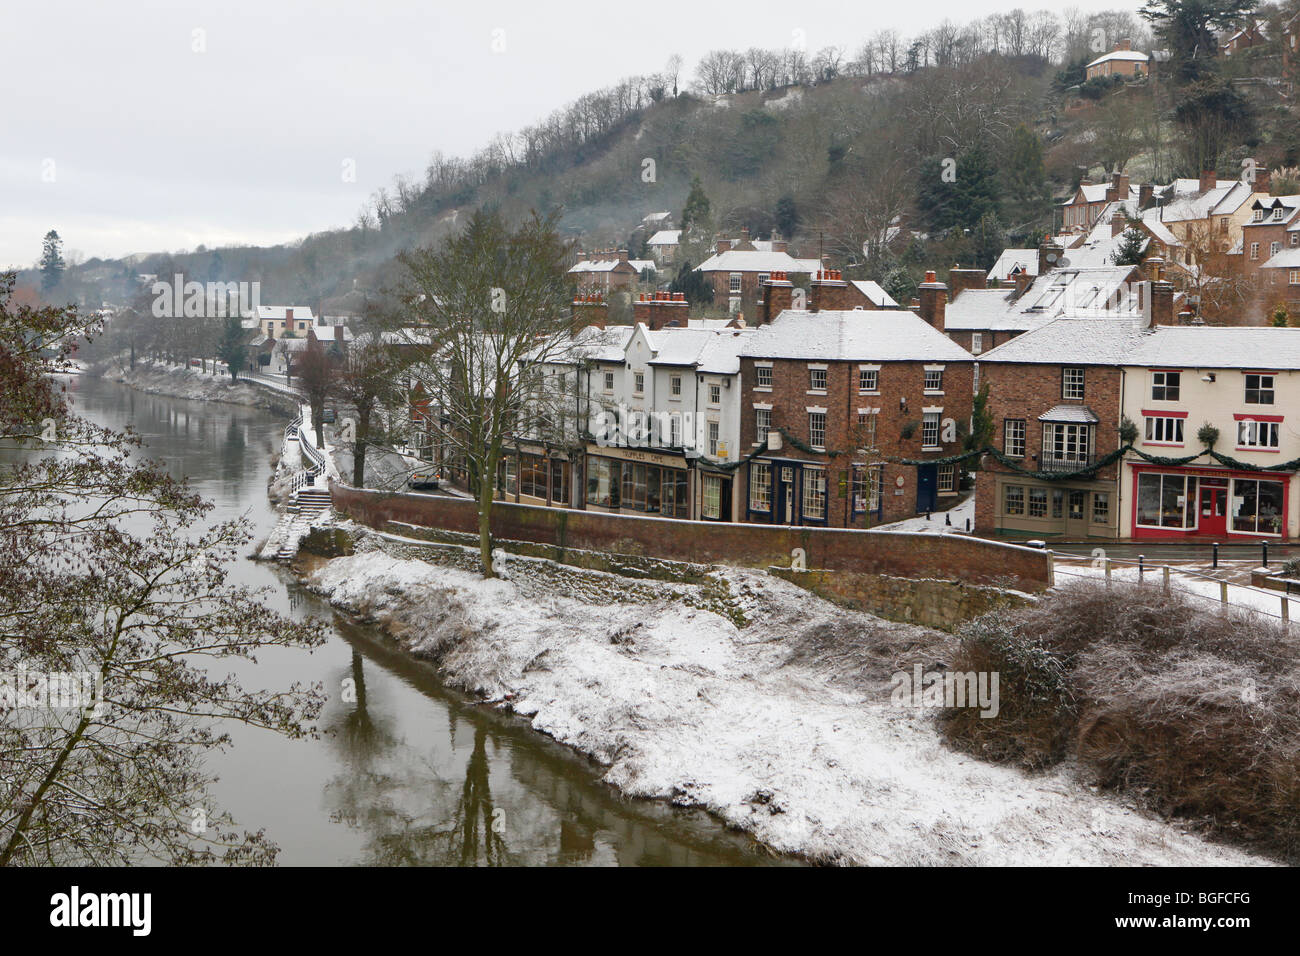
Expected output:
(1286, 259)
(300, 312)
(1135, 56)
(601, 345)
(665, 237)
(879, 335)
(743, 260)
(1191, 346)
(1182, 199)
(1096, 192)
(603, 265)
(875, 294)
(1065, 291)
(1081, 414)
(640, 265)
(1015, 260)
(715, 351)
(1077, 341)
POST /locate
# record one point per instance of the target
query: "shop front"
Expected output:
(634, 482)
(1209, 503)
(536, 476)
(1073, 509)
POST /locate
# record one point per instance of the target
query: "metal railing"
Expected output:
(1164, 577)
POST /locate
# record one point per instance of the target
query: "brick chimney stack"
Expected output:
(828, 291)
(1146, 195)
(589, 309)
(1162, 304)
(778, 295)
(722, 245)
(1209, 179)
(1023, 281)
(1049, 255)
(1118, 223)
(1124, 44)
(1118, 188)
(659, 309)
(1263, 179)
(960, 279)
(933, 297)
(779, 245)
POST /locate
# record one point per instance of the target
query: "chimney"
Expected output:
(288, 317)
(779, 245)
(722, 245)
(1118, 223)
(660, 309)
(933, 296)
(1049, 255)
(590, 309)
(1153, 268)
(778, 294)
(1162, 304)
(828, 291)
(1263, 180)
(1146, 195)
(622, 255)
(1118, 188)
(1209, 179)
(1023, 281)
(582, 257)
(1124, 44)
(960, 279)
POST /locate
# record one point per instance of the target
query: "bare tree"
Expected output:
(491, 311)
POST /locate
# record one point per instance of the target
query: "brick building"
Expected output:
(737, 270)
(827, 396)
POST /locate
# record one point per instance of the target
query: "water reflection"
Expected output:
(404, 772)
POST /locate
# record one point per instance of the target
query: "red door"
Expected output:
(1214, 510)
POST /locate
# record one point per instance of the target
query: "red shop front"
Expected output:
(1192, 502)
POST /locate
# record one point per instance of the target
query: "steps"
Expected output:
(308, 504)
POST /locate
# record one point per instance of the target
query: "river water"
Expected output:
(411, 772)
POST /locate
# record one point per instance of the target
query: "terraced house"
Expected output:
(829, 397)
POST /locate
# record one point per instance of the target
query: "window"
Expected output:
(609, 381)
(1168, 431)
(1072, 383)
(1058, 503)
(715, 394)
(817, 379)
(1100, 507)
(675, 385)
(1164, 386)
(1013, 437)
(760, 487)
(868, 379)
(934, 380)
(1254, 250)
(509, 475)
(532, 476)
(817, 429)
(1277, 212)
(947, 479)
(674, 431)
(1293, 277)
(930, 430)
(866, 488)
(763, 376)
(1257, 506)
(1259, 389)
(640, 382)
(713, 438)
(734, 287)
(976, 343)
(814, 494)
(711, 503)
(1295, 238)
(603, 477)
(1257, 216)
(1274, 248)
(762, 423)
(1013, 501)
(866, 436)
(1253, 434)
(1067, 443)
(1038, 502)
(1166, 501)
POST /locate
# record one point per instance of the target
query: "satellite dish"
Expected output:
(1063, 263)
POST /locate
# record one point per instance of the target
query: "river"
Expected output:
(405, 771)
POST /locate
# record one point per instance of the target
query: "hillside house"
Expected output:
(1122, 61)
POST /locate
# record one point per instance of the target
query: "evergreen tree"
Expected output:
(1131, 244)
(989, 240)
(231, 347)
(1026, 175)
(696, 212)
(959, 193)
(1188, 30)
(52, 264)
(787, 216)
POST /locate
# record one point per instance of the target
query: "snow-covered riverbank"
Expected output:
(780, 724)
(179, 382)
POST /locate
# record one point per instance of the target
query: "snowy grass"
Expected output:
(782, 727)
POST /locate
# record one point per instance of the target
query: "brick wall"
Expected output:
(972, 560)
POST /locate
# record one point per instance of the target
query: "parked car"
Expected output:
(425, 479)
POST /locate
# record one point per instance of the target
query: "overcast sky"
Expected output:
(148, 125)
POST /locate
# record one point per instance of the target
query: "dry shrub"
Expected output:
(1192, 709)
(1036, 712)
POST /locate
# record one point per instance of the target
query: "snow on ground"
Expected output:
(935, 525)
(177, 381)
(783, 727)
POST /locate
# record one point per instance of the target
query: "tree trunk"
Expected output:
(485, 491)
(359, 448)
